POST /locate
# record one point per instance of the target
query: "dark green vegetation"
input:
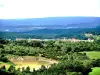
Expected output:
(72, 59)
(3, 58)
(77, 33)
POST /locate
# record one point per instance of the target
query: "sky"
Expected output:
(10, 9)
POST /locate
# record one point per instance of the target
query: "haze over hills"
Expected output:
(51, 27)
(48, 23)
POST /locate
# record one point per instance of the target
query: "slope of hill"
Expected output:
(51, 21)
(48, 23)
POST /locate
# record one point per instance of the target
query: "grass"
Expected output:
(93, 54)
(32, 64)
(20, 64)
(95, 71)
(7, 65)
(25, 61)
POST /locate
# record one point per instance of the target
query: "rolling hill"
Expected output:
(48, 23)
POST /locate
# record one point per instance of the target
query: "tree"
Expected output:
(3, 68)
(96, 63)
(11, 69)
(27, 69)
(3, 58)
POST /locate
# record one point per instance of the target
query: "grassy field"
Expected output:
(32, 64)
(31, 61)
(93, 54)
(95, 71)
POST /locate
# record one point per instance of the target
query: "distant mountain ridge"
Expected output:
(49, 22)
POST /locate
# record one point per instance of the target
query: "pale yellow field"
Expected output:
(32, 62)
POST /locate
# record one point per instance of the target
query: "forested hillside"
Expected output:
(71, 56)
(77, 33)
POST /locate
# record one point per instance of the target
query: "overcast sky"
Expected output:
(48, 8)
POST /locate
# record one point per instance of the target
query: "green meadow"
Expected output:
(93, 54)
(95, 71)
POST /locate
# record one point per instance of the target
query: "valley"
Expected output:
(53, 57)
(50, 46)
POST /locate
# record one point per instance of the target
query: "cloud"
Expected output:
(1, 5)
(48, 8)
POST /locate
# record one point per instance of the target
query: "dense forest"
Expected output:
(71, 56)
(77, 33)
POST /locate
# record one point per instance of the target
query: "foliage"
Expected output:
(51, 33)
(3, 58)
(72, 59)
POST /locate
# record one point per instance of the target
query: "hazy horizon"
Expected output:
(12, 9)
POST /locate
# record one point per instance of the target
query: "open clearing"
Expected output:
(32, 62)
(93, 54)
(95, 71)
